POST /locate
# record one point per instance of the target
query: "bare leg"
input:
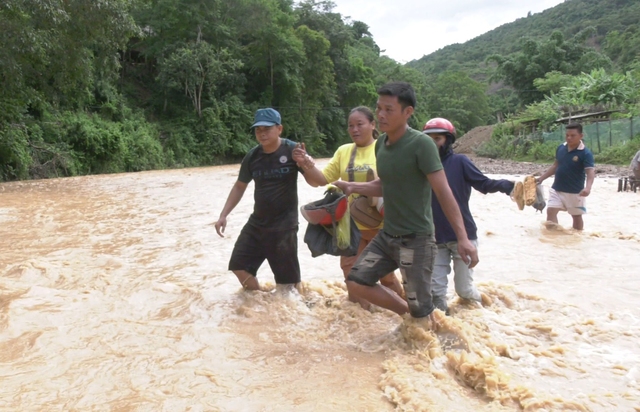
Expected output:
(578, 223)
(363, 302)
(247, 280)
(355, 299)
(552, 215)
(346, 263)
(380, 296)
(392, 282)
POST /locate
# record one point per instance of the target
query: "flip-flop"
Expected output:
(530, 190)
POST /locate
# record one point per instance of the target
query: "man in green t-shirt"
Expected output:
(408, 168)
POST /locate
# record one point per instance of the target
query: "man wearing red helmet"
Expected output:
(409, 168)
(462, 175)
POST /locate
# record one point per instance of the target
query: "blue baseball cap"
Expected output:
(266, 117)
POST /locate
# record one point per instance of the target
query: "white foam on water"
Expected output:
(115, 294)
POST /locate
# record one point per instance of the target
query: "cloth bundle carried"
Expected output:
(331, 229)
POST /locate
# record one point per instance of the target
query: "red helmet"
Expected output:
(326, 211)
(439, 125)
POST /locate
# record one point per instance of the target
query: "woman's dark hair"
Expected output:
(368, 114)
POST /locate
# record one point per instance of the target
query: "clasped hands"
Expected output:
(302, 159)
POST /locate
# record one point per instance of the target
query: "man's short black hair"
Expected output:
(402, 90)
(575, 126)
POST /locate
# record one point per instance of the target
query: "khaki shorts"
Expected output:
(413, 254)
(347, 262)
(570, 202)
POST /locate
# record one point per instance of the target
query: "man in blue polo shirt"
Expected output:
(568, 192)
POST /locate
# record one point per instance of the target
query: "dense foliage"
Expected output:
(569, 17)
(581, 56)
(128, 85)
(125, 85)
(613, 95)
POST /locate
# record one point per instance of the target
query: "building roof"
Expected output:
(585, 116)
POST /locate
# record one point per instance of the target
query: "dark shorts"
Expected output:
(414, 256)
(279, 248)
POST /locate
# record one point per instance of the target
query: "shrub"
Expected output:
(544, 151)
(620, 154)
(15, 157)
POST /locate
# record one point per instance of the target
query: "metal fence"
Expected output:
(600, 135)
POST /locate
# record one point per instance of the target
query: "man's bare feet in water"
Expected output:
(448, 331)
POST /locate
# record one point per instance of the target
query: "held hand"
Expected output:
(539, 180)
(585, 192)
(468, 252)
(302, 159)
(221, 224)
(299, 153)
(344, 186)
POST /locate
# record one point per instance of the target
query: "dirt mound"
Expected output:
(473, 139)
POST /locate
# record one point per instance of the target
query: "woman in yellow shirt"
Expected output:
(362, 129)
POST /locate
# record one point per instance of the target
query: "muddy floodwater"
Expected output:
(115, 296)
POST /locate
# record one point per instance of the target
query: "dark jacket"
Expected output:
(462, 175)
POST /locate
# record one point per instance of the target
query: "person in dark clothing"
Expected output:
(462, 175)
(271, 232)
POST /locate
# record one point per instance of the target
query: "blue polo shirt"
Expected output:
(570, 173)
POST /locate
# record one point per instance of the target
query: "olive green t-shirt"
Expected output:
(403, 168)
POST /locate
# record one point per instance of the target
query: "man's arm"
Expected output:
(311, 173)
(370, 189)
(440, 186)
(591, 174)
(550, 172)
(314, 176)
(482, 183)
(236, 193)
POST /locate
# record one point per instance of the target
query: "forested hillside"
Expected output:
(589, 34)
(128, 85)
(570, 18)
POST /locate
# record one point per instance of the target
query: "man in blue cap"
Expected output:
(271, 232)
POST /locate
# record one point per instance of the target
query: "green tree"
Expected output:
(537, 58)
(623, 47)
(459, 98)
(317, 90)
(552, 82)
(197, 69)
(57, 52)
(273, 57)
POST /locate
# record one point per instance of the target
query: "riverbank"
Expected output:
(504, 166)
